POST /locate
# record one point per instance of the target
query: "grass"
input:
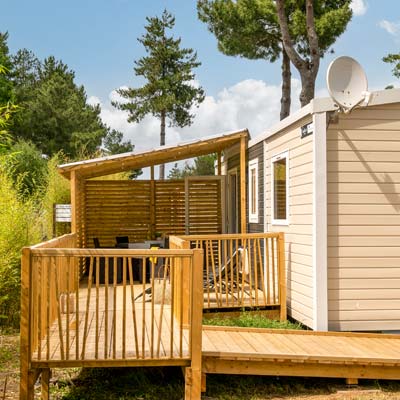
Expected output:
(250, 320)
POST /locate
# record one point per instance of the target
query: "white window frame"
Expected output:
(275, 158)
(253, 165)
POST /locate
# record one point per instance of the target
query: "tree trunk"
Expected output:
(308, 68)
(286, 85)
(307, 87)
(162, 143)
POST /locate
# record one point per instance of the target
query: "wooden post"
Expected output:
(193, 374)
(243, 221)
(26, 379)
(152, 205)
(74, 202)
(45, 383)
(219, 163)
(282, 276)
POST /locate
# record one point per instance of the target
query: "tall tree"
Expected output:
(169, 92)
(6, 86)
(25, 73)
(393, 59)
(54, 111)
(251, 29)
(308, 32)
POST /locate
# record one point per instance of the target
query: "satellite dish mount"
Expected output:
(347, 83)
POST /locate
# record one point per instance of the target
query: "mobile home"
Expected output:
(331, 182)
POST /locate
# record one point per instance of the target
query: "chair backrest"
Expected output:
(122, 239)
(96, 243)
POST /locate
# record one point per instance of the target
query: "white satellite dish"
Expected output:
(347, 83)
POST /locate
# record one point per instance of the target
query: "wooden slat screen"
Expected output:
(170, 207)
(123, 208)
(117, 208)
(204, 206)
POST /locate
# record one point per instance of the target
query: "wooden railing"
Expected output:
(242, 270)
(105, 317)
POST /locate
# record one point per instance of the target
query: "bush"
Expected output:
(19, 227)
(57, 191)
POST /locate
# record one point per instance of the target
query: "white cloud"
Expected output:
(392, 28)
(248, 104)
(93, 101)
(359, 7)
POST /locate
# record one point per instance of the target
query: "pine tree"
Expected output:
(254, 30)
(169, 92)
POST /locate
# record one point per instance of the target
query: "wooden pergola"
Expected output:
(79, 173)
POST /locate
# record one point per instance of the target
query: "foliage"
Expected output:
(395, 60)
(18, 227)
(57, 191)
(55, 115)
(113, 144)
(203, 165)
(249, 320)
(251, 29)
(169, 92)
(26, 167)
(25, 74)
(308, 29)
(6, 85)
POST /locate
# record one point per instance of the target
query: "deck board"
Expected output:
(224, 349)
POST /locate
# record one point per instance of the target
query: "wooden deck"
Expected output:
(102, 336)
(228, 350)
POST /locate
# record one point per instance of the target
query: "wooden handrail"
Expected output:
(242, 270)
(67, 317)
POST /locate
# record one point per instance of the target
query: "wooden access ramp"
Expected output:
(253, 351)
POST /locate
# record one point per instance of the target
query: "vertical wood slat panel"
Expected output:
(245, 271)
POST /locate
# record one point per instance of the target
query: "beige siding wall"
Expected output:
(298, 235)
(363, 154)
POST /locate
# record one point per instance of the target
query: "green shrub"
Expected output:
(57, 191)
(19, 227)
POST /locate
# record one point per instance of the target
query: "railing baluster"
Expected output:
(96, 345)
(273, 271)
(60, 330)
(106, 290)
(39, 280)
(152, 308)
(182, 299)
(207, 280)
(114, 342)
(173, 275)
(48, 269)
(143, 306)
(77, 319)
(133, 307)
(85, 329)
(67, 309)
(261, 270)
(124, 307)
(255, 269)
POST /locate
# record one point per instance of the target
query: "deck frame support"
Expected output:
(350, 372)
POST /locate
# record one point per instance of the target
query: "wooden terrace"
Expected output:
(85, 307)
(73, 319)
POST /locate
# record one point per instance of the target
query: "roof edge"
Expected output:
(326, 104)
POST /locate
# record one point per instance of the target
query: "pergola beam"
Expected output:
(124, 162)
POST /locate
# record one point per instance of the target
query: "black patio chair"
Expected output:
(122, 239)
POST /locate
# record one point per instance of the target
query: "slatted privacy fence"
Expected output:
(106, 316)
(242, 270)
(141, 208)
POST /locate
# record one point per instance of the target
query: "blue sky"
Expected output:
(97, 39)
